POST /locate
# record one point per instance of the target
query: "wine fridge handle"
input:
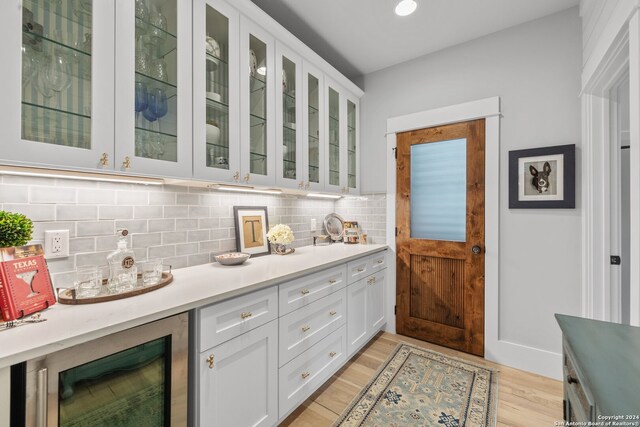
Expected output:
(41, 398)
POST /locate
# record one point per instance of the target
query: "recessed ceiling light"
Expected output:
(406, 7)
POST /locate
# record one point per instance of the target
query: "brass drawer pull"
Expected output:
(104, 159)
(333, 353)
(333, 312)
(304, 291)
(305, 328)
(246, 315)
(360, 270)
(333, 281)
(210, 361)
(380, 261)
(571, 380)
(305, 375)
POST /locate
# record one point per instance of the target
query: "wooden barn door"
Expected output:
(440, 235)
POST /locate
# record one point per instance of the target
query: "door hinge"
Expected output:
(395, 152)
(616, 260)
(395, 309)
(396, 231)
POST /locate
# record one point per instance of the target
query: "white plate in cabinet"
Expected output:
(303, 328)
(300, 292)
(228, 319)
(238, 380)
(377, 262)
(304, 374)
(358, 269)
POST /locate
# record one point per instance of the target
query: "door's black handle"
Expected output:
(476, 249)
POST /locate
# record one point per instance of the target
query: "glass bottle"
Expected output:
(123, 272)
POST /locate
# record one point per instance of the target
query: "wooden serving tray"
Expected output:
(68, 296)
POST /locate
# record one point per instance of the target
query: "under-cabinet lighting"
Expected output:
(247, 190)
(406, 7)
(82, 176)
(324, 196)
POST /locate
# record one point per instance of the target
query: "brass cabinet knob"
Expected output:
(305, 375)
(333, 313)
(247, 177)
(104, 159)
(333, 281)
(236, 176)
(305, 328)
(126, 163)
(246, 315)
(210, 361)
(304, 291)
(307, 186)
(332, 354)
(301, 185)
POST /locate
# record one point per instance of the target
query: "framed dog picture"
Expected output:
(252, 224)
(543, 178)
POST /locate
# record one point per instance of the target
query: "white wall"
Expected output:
(535, 70)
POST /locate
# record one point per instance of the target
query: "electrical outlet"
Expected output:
(314, 224)
(56, 243)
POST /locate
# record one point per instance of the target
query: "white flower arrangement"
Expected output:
(280, 234)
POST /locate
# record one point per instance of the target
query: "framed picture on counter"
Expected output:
(252, 224)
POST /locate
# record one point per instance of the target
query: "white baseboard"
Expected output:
(542, 362)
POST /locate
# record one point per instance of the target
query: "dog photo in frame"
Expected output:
(543, 178)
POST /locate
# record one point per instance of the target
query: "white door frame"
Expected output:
(495, 349)
(622, 54)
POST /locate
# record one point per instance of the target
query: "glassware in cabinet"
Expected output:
(50, 100)
(216, 91)
(352, 145)
(258, 88)
(153, 114)
(289, 152)
(334, 142)
(314, 132)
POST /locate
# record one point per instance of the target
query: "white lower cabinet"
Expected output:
(238, 380)
(261, 354)
(365, 309)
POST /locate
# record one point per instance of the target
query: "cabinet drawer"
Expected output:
(581, 404)
(303, 328)
(224, 320)
(358, 269)
(298, 293)
(377, 262)
(304, 374)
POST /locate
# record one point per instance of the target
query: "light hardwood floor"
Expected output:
(524, 399)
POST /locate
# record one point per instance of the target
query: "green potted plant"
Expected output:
(15, 229)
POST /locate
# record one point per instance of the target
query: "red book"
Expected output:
(25, 284)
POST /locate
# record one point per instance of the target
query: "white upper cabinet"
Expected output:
(257, 104)
(57, 78)
(216, 91)
(335, 138)
(289, 112)
(314, 133)
(153, 94)
(352, 144)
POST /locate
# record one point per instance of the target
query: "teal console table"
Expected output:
(601, 364)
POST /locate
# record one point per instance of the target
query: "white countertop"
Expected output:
(68, 325)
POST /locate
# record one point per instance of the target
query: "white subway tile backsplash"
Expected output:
(184, 226)
(162, 225)
(115, 212)
(55, 195)
(76, 212)
(95, 228)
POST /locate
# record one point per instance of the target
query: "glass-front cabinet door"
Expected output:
(63, 83)
(335, 181)
(153, 93)
(353, 147)
(313, 128)
(216, 91)
(289, 151)
(257, 102)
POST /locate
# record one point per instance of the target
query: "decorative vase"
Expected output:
(280, 248)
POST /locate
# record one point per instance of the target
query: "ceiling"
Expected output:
(361, 36)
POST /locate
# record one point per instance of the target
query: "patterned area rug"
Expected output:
(418, 387)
